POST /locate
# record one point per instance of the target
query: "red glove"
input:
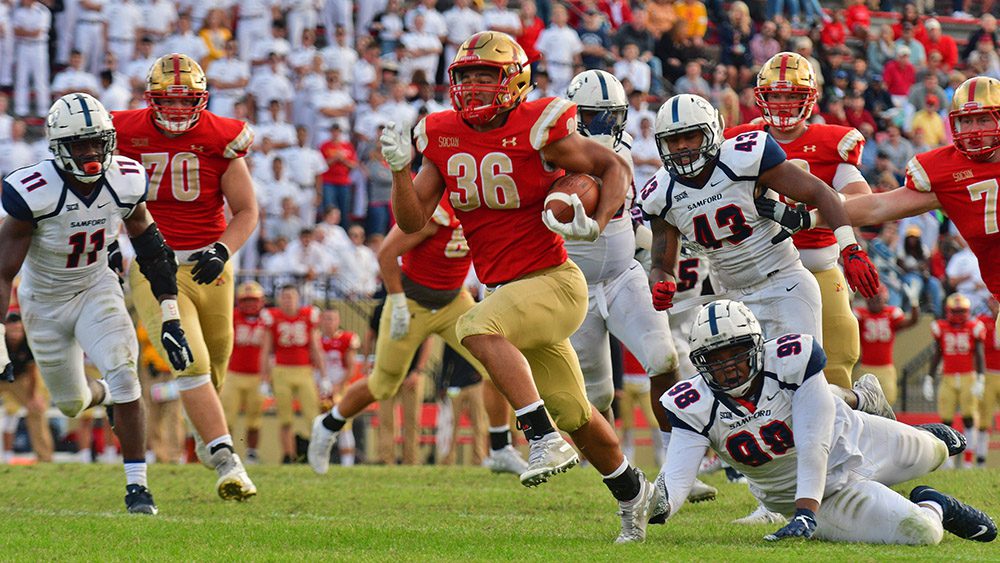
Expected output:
(860, 272)
(663, 294)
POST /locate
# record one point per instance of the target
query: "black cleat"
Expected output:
(959, 518)
(952, 438)
(139, 500)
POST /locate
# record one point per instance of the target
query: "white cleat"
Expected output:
(548, 456)
(701, 491)
(233, 483)
(875, 402)
(320, 446)
(506, 460)
(636, 513)
(761, 516)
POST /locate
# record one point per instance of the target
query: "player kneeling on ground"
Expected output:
(750, 396)
(62, 213)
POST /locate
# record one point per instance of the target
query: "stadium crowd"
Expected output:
(319, 79)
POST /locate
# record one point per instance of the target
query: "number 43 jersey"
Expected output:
(759, 439)
(68, 247)
(721, 217)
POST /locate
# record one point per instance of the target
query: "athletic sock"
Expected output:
(623, 482)
(334, 421)
(665, 436)
(135, 472)
(499, 437)
(224, 441)
(534, 421)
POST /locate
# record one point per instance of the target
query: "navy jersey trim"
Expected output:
(772, 156)
(781, 384)
(817, 361)
(59, 205)
(676, 422)
(733, 175)
(14, 204)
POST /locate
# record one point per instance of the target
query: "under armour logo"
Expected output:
(140, 142)
(198, 148)
(809, 148)
(512, 141)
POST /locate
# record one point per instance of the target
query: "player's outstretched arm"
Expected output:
(15, 239)
(576, 153)
(665, 250)
(684, 455)
(396, 244)
(874, 209)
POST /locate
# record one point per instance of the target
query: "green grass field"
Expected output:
(76, 512)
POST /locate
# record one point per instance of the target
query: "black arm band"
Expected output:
(156, 261)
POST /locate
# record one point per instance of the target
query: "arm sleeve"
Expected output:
(846, 174)
(813, 412)
(771, 156)
(684, 455)
(14, 204)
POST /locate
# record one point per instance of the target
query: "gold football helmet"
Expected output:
(250, 298)
(497, 51)
(177, 90)
(791, 77)
(975, 117)
(956, 308)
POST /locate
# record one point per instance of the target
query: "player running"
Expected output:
(766, 408)
(62, 212)
(195, 163)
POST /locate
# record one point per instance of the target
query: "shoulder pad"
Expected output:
(690, 405)
(793, 358)
(747, 155)
(654, 198)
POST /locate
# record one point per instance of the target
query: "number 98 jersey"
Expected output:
(721, 217)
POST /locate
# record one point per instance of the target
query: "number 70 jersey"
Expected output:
(721, 217)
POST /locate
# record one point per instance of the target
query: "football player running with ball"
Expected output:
(495, 156)
(195, 163)
(765, 407)
(63, 212)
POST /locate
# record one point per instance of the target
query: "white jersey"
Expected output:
(68, 248)
(613, 252)
(721, 217)
(696, 285)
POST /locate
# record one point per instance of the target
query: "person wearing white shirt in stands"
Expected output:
(254, 25)
(276, 128)
(309, 84)
(124, 19)
(399, 108)
(425, 96)
(306, 171)
(434, 21)
(75, 79)
(158, 20)
(369, 117)
(965, 276)
(89, 34)
(299, 61)
(337, 13)
(645, 154)
(184, 41)
(115, 96)
(285, 222)
(143, 59)
(461, 22)
(334, 236)
(6, 46)
(366, 69)
(279, 187)
(499, 18)
(301, 15)
(560, 46)
(332, 105)
(30, 22)
(359, 276)
(229, 80)
(423, 51)
(340, 56)
(15, 152)
(632, 68)
(275, 43)
(6, 120)
(543, 86)
(270, 83)
(638, 110)
(65, 22)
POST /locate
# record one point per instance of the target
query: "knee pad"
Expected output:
(601, 394)
(922, 527)
(193, 382)
(658, 354)
(568, 411)
(73, 407)
(382, 389)
(124, 385)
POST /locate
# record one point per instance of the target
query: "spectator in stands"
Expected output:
(918, 56)
(531, 28)
(594, 34)
(899, 76)
(270, 83)
(910, 16)
(340, 158)
(215, 34)
(367, 69)
(835, 33)
(425, 100)
(914, 261)
(282, 219)
(928, 86)
(928, 120)
(462, 21)
(335, 238)
(857, 115)
(560, 47)
(359, 275)
(735, 36)
(878, 100)
(764, 45)
(955, 79)
(964, 275)
(618, 12)
(543, 86)
(230, 76)
(379, 188)
(839, 86)
(500, 18)
(692, 81)
(897, 148)
(988, 29)
(306, 173)
(74, 79)
(858, 19)
(332, 105)
(804, 47)
(748, 106)
(835, 113)
(984, 61)
(184, 40)
(15, 152)
(694, 13)
(423, 50)
(388, 26)
(645, 155)
(340, 55)
(938, 42)
(881, 49)
(638, 109)
(633, 69)
(114, 95)
(659, 18)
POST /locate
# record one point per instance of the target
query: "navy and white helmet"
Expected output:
(602, 103)
(685, 113)
(76, 120)
(721, 324)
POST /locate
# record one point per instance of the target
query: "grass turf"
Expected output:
(76, 512)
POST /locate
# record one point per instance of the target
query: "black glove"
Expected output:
(210, 263)
(791, 218)
(803, 525)
(116, 261)
(7, 374)
(176, 345)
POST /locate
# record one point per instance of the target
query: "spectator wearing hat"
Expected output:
(936, 41)
(918, 56)
(840, 84)
(877, 98)
(987, 30)
(928, 119)
(900, 75)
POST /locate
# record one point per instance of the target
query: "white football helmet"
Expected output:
(685, 113)
(77, 124)
(721, 324)
(602, 103)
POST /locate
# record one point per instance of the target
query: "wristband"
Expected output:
(170, 311)
(845, 236)
(397, 299)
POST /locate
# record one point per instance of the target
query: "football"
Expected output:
(585, 186)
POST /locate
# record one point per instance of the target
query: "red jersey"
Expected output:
(185, 172)
(338, 172)
(819, 151)
(291, 334)
(991, 344)
(967, 191)
(878, 334)
(336, 350)
(248, 333)
(497, 182)
(958, 344)
(441, 261)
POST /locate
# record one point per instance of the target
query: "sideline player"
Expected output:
(494, 156)
(340, 350)
(242, 387)
(62, 211)
(424, 274)
(195, 162)
(878, 324)
(766, 408)
(989, 396)
(786, 93)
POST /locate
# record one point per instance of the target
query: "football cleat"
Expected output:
(138, 500)
(320, 446)
(506, 460)
(636, 513)
(959, 518)
(952, 438)
(874, 399)
(549, 455)
(661, 510)
(761, 516)
(233, 483)
(701, 491)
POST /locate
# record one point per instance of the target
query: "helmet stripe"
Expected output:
(675, 110)
(177, 69)
(86, 110)
(783, 68)
(473, 43)
(972, 89)
(604, 86)
(713, 320)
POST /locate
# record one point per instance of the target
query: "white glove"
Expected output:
(399, 323)
(265, 389)
(912, 291)
(395, 149)
(6, 368)
(581, 228)
(979, 386)
(928, 388)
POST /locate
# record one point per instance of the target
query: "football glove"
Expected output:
(791, 218)
(663, 294)
(6, 367)
(581, 227)
(912, 292)
(116, 261)
(172, 337)
(399, 323)
(859, 271)
(979, 386)
(802, 525)
(928, 388)
(209, 263)
(395, 149)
